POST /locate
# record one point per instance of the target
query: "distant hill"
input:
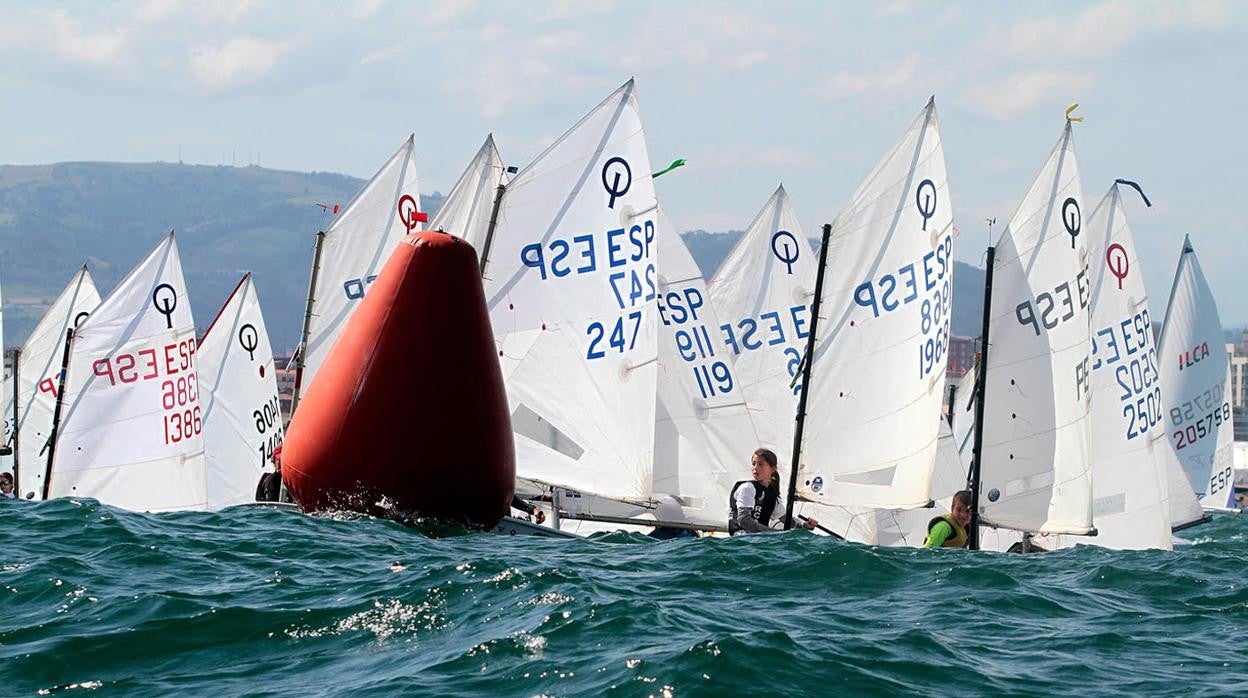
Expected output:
(228, 220)
(53, 218)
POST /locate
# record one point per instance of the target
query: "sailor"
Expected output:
(949, 531)
(753, 504)
(6, 486)
(518, 502)
(270, 485)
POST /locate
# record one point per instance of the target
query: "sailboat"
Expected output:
(1130, 502)
(1032, 472)
(128, 423)
(762, 293)
(1195, 374)
(571, 283)
(351, 252)
(238, 385)
(876, 376)
(38, 378)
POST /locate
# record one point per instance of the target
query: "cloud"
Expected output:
(237, 62)
(898, 78)
(365, 9)
(1021, 91)
(1101, 29)
(77, 42)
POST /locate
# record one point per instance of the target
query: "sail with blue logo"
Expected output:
(242, 414)
(762, 294)
(356, 246)
(878, 373)
(1195, 373)
(39, 370)
(571, 284)
(131, 426)
(1130, 506)
(704, 431)
(1036, 471)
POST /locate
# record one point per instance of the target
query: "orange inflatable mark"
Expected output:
(408, 414)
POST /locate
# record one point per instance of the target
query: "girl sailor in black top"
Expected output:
(755, 503)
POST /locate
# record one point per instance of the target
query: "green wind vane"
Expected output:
(678, 162)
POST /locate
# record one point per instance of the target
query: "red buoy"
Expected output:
(408, 414)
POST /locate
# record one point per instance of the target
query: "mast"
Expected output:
(808, 360)
(982, 381)
(17, 355)
(489, 231)
(953, 391)
(56, 414)
(302, 351)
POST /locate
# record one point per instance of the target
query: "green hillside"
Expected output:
(53, 218)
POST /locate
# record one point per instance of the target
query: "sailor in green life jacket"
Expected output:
(949, 531)
(754, 503)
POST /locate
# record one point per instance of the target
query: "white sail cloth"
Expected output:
(1195, 374)
(704, 433)
(131, 424)
(39, 370)
(762, 294)
(878, 375)
(571, 285)
(465, 212)
(242, 415)
(356, 246)
(1130, 506)
(1036, 471)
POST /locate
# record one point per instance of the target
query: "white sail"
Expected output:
(1185, 509)
(762, 293)
(1036, 470)
(1195, 374)
(1130, 508)
(356, 246)
(878, 376)
(39, 369)
(242, 416)
(571, 285)
(963, 416)
(465, 212)
(908, 527)
(704, 434)
(131, 424)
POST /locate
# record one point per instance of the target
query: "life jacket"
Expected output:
(765, 500)
(959, 537)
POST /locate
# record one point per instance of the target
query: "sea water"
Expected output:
(98, 601)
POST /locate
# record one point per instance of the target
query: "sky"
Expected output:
(751, 94)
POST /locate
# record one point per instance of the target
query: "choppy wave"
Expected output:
(264, 601)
